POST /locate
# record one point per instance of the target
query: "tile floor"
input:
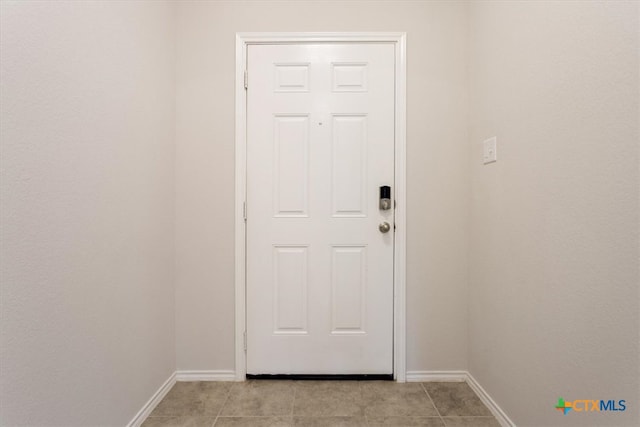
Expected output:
(265, 403)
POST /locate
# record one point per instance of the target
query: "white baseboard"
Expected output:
(444, 376)
(463, 376)
(219, 375)
(497, 412)
(142, 415)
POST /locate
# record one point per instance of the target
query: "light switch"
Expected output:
(489, 152)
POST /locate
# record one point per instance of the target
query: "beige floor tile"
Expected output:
(386, 398)
(330, 421)
(471, 422)
(193, 398)
(254, 422)
(405, 421)
(184, 421)
(260, 398)
(456, 399)
(181, 400)
(213, 395)
(328, 398)
(265, 403)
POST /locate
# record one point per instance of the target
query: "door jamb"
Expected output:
(399, 285)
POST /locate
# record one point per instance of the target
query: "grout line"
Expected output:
(293, 402)
(223, 403)
(433, 403)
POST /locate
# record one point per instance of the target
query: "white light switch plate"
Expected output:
(489, 151)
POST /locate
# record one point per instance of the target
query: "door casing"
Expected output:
(243, 40)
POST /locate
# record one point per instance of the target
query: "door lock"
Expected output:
(385, 198)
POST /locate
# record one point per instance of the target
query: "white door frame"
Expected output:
(243, 40)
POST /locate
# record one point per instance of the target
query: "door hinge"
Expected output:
(245, 341)
(246, 80)
(244, 211)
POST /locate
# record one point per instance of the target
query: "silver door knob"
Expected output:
(384, 227)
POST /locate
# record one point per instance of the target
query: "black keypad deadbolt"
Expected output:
(385, 198)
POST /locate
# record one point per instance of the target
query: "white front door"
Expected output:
(320, 144)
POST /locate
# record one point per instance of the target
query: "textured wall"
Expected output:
(436, 172)
(554, 279)
(87, 213)
(87, 187)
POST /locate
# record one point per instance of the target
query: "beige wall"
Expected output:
(86, 161)
(436, 171)
(553, 291)
(524, 271)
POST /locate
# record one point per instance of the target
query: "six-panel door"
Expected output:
(320, 143)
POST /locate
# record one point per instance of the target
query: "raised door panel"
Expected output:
(348, 289)
(349, 165)
(291, 165)
(290, 280)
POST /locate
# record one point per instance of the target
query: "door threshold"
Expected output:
(322, 377)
